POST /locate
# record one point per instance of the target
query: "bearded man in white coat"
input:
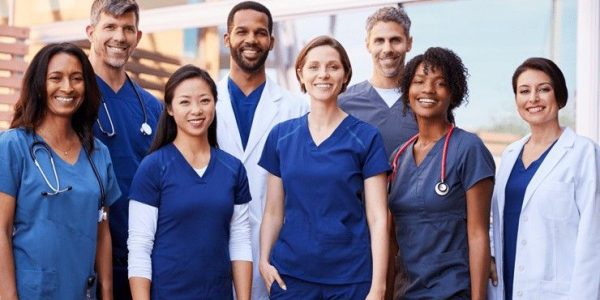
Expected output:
(249, 105)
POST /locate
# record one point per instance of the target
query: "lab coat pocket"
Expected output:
(556, 290)
(557, 199)
(36, 284)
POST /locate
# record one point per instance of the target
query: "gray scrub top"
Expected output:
(363, 102)
(431, 230)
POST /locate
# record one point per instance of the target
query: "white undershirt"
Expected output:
(142, 229)
(390, 96)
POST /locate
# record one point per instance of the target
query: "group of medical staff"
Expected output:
(234, 189)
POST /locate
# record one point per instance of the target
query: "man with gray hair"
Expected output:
(377, 100)
(127, 116)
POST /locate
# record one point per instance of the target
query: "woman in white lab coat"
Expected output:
(546, 203)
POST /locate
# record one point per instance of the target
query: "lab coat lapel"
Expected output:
(266, 111)
(227, 121)
(508, 162)
(565, 141)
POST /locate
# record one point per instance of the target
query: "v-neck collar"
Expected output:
(190, 170)
(380, 101)
(56, 157)
(107, 88)
(429, 156)
(330, 139)
(534, 163)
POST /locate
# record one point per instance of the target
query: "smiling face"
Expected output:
(192, 108)
(535, 99)
(323, 74)
(388, 44)
(64, 85)
(249, 40)
(113, 39)
(428, 94)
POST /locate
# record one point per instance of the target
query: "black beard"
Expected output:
(246, 66)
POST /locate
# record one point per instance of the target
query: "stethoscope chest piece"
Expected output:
(442, 189)
(146, 129)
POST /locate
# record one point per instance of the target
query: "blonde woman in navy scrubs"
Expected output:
(319, 238)
(441, 186)
(546, 205)
(189, 234)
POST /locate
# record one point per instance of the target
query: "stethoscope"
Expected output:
(38, 145)
(145, 129)
(441, 188)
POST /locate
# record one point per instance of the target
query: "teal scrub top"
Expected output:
(54, 238)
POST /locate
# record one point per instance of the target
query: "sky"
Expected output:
(491, 36)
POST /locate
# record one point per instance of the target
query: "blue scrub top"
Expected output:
(54, 239)
(431, 230)
(325, 236)
(127, 147)
(396, 126)
(190, 258)
(244, 107)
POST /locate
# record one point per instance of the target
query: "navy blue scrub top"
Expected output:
(244, 107)
(325, 236)
(190, 258)
(515, 193)
(396, 126)
(431, 230)
(127, 147)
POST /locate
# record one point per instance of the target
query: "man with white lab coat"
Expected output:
(249, 105)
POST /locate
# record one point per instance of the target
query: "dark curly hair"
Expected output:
(451, 67)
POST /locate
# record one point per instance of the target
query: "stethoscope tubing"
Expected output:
(145, 128)
(37, 145)
(441, 188)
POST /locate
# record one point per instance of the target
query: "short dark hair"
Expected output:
(324, 40)
(167, 128)
(389, 14)
(115, 8)
(451, 67)
(561, 93)
(251, 5)
(32, 105)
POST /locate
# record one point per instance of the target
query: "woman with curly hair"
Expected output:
(441, 186)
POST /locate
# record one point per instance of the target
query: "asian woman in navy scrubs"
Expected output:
(441, 186)
(189, 234)
(546, 204)
(323, 234)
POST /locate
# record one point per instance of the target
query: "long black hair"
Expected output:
(32, 106)
(167, 129)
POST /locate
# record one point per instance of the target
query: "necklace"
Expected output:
(53, 145)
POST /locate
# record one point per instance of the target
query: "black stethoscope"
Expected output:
(441, 188)
(145, 129)
(38, 145)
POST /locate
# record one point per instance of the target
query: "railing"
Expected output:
(13, 49)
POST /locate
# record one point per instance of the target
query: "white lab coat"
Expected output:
(275, 106)
(558, 243)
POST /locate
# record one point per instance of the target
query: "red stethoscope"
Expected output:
(441, 188)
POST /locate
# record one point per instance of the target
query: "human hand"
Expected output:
(269, 275)
(493, 272)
